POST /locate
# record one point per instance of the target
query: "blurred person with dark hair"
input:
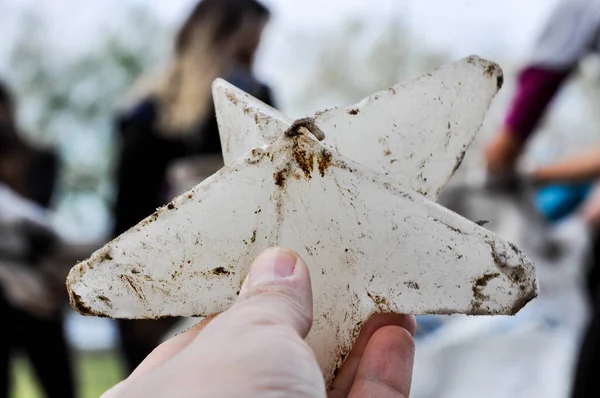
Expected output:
(571, 33)
(6, 106)
(175, 119)
(31, 312)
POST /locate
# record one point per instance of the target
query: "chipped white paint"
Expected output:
(357, 206)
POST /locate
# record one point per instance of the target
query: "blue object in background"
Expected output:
(427, 324)
(555, 202)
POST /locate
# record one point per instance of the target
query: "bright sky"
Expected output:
(464, 26)
(488, 28)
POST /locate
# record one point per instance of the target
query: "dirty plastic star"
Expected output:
(352, 190)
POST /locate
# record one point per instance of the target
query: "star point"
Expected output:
(367, 226)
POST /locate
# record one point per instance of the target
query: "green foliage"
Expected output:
(96, 373)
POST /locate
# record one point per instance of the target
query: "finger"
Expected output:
(276, 291)
(170, 348)
(342, 384)
(386, 366)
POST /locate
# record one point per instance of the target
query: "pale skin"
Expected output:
(503, 151)
(584, 166)
(257, 347)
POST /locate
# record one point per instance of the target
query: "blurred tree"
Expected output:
(69, 102)
(359, 58)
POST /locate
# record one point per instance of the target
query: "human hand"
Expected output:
(25, 289)
(590, 209)
(257, 347)
(501, 153)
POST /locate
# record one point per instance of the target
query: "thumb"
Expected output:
(277, 291)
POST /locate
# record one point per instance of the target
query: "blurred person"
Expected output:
(175, 119)
(583, 167)
(257, 348)
(571, 33)
(31, 314)
(6, 106)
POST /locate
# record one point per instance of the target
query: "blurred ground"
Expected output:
(527, 355)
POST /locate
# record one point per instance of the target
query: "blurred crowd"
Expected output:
(169, 141)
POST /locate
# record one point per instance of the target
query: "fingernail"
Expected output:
(271, 266)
